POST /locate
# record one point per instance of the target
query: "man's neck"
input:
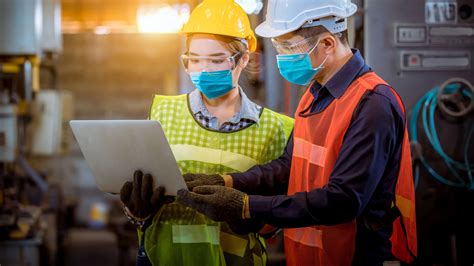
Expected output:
(341, 58)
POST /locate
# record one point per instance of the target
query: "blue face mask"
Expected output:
(213, 84)
(297, 68)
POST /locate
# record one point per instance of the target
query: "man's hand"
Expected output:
(218, 202)
(140, 198)
(194, 180)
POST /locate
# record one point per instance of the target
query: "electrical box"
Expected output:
(8, 134)
(417, 48)
(53, 110)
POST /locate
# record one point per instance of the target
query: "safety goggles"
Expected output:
(198, 63)
(300, 47)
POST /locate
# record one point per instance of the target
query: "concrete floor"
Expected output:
(90, 247)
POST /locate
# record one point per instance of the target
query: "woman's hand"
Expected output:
(139, 197)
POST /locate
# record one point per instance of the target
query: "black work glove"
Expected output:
(217, 202)
(140, 198)
(194, 180)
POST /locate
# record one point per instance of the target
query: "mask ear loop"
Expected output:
(324, 61)
(314, 47)
(237, 58)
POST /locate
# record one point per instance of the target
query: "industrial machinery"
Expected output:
(29, 30)
(425, 50)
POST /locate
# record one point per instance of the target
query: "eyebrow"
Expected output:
(285, 42)
(216, 54)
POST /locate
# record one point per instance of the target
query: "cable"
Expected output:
(455, 98)
(466, 158)
(428, 105)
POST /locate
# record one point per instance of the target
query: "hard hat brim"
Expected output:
(265, 30)
(275, 26)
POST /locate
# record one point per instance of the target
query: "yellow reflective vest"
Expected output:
(181, 236)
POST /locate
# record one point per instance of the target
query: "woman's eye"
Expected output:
(217, 61)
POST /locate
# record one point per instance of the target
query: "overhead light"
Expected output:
(250, 6)
(101, 30)
(162, 18)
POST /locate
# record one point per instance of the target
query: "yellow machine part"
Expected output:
(12, 65)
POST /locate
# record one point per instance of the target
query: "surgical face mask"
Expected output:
(297, 68)
(213, 84)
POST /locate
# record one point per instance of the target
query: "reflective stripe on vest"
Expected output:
(233, 244)
(317, 142)
(192, 234)
(306, 150)
(198, 233)
(238, 162)
(182, 236)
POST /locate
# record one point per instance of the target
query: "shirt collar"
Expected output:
(197, 104)
(248, 109)
(338, 84)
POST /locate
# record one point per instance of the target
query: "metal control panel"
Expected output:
(426, 35)
(447, 60)
(416, 45)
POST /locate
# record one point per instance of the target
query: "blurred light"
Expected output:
(71, 27)
(101, 30)
(250, 6)
(162, 18)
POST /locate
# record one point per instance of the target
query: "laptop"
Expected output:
(114, 149)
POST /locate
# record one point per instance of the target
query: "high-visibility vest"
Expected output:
(317, 142)
(179, 235)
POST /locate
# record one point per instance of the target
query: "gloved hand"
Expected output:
(194, 180)
(139, 197)
(217, 202)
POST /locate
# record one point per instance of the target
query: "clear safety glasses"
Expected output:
(300, 47)
(198, 63)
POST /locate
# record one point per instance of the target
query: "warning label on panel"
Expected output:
(440, 12)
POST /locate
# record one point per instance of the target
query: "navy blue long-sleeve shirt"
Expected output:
(361, 185)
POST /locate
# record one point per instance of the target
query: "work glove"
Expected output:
(139, 197)
(217, 202)
(194, 180)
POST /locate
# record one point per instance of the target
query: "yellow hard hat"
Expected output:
(221, 17)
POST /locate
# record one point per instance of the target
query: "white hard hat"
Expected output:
(285, 16)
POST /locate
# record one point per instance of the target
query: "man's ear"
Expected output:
(328, 42)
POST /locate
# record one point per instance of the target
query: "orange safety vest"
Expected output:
(317, 142)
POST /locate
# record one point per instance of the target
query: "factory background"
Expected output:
(105, 59)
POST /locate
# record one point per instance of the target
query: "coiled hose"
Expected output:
(427, 105)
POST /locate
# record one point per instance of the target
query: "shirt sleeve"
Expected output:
(371, 139)
(267, 179)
